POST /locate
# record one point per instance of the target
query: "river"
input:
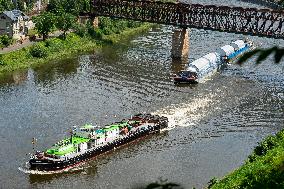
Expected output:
(213, 125)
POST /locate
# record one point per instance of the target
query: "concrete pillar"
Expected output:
(96, 22)
(83, 19)
(180, 43)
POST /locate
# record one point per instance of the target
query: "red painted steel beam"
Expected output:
(248, 21)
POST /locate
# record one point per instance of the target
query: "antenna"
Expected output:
(34, 140)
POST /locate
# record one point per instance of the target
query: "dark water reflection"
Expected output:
(214, 125)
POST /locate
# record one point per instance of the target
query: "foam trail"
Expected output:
(186, 114)
(26, 170)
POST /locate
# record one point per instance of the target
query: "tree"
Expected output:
(45, 23)
(263, 54)
(6, 5)
(29, 5)
(74, 7)
(5, 40)
(65, 22)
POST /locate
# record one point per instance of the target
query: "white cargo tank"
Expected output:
(213, 58)
(210, 63)
(226, 50)
(201, 64)
(205, 64)
(239, 44)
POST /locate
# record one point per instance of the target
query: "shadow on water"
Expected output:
(44, 73)
(51, 71)
(178, 65)
(16, 77)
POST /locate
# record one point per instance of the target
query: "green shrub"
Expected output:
(54, 44)
(133, 24)
(38, 50)
(269, 143)
(264, 179)
(6, 40)
(264, 169)
(72, 37)
(32, 35)
(213, 181)
(81, 30)
(1, 45)
(2, 62)
(90, 29)
(98, 34)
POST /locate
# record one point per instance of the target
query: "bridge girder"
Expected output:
(248, 21)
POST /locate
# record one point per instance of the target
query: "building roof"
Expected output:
(15, 14)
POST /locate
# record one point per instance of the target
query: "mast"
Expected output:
(34, 142)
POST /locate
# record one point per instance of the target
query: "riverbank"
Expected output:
(56, 49)
(264, 168)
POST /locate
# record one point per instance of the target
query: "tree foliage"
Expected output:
(23, 5)
(6, 5)
(263, 54)
(65, 22)
(161, 184)
(74, 7)
(5, 41)
(264, 168)
(45, 23)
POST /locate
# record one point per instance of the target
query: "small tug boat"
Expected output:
(89, 141)
(211, 62)
(185, 76)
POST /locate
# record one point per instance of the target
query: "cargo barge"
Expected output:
(89, 141)
(212, 62)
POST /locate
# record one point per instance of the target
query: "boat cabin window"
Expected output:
(84, 129)
(186, 74)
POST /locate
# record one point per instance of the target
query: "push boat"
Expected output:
(89, 141)
(211, 62)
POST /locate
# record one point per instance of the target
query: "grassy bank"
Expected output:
(263, 169)
(56, 48)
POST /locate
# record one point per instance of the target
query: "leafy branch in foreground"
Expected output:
(161, 184)
(263, 54)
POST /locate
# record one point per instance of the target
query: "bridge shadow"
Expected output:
(178, 65)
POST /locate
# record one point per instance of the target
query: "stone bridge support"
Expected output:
(85, 19)
(96, 22)
(180, 43)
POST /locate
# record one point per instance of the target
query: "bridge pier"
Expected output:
(180, 43)
(85, 19)
(96, 22)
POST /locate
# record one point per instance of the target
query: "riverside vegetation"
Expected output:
(264, 168)
(84, 38)
(62, 15)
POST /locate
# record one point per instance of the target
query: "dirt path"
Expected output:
(16, 46)
(26, 43)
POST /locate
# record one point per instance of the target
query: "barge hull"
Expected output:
(50, 165)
